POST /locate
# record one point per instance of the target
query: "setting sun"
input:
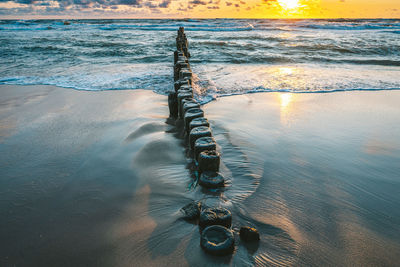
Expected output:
(289, 4)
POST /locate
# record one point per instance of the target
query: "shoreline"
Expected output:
(209, 101)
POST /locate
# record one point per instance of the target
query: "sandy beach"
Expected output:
(98, 178)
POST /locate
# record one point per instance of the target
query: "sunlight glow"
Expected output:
(286, 107)
(285, 100)
(284, 78)
(289, 4)
(285, 71)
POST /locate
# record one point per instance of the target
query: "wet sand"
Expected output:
(98, 178)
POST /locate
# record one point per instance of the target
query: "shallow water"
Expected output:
(325, 175)
(229, 56)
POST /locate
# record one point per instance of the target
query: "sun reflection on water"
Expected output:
(286, 98)
(286, 78)
(286, 107)
(285, 71)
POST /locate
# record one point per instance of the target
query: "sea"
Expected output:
(228, 56)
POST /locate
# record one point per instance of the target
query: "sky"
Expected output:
(70, 9)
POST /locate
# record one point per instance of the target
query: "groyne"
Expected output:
(215, 223)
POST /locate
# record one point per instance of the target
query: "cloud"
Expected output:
(208, 4)
(197, 2)
(82, 7)
(152, 5)
(113, 7)
(122, 2)
(98, 3)
(270, 2)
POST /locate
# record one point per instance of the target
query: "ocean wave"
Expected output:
(173, 28)
(259, 58)
(216, 43)
(351, 27)
(157, 83)
(378, 62)
(295, 47)
(237, 29)
(39, 28)
(335, 49)
(45, 49)
(205, 25)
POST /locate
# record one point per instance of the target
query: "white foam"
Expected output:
(216, 80)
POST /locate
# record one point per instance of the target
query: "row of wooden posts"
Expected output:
(183, 106)
(215, 223)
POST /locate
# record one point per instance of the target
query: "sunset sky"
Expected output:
(200, 9)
